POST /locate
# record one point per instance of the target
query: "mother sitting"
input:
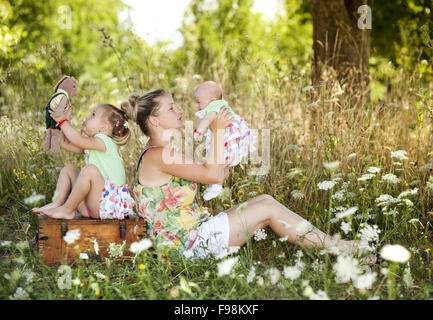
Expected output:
(166, 191)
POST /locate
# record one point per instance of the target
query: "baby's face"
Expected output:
(202, 99)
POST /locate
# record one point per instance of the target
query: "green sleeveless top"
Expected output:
(171, 212)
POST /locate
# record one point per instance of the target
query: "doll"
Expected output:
(64, 90)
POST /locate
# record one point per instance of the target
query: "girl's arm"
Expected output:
(76, 138)
(68, 146)
(211, 171)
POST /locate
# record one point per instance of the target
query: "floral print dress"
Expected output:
(172, 215)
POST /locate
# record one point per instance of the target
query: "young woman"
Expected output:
(166, 186)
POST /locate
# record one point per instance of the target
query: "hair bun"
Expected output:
(130, 107)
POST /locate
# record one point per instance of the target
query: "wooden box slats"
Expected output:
(53, 249)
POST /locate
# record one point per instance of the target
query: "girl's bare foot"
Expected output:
(47, 207)
(59, 213)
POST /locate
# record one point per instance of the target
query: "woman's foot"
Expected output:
(59, 213)
(51, 205)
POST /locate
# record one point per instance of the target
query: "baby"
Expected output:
(239, 140)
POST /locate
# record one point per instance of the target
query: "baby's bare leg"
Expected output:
(66, 180)
(87, 188)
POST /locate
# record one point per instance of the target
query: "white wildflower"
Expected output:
(296, 194)
(390, 178)
(100, 276)
(28, 275)
(20, 294)
(260, 234)
(34, 198)
(319, 295)
(188, 253)
(291, 272)
(76, 281)
(351, 156)
(366, 177)
(399, 155)
(365, 281)
(21, 245)
(373, 170)
(408, 192)
(395, 253)
(274, 275)
(369, 233)
(283, 239)
(226, 266)
(83, 256)
(229, 251)
(346, 227)
(347, 212)
(339, 195)
(5, 243)
(116, 250)
(326, 185)
(137, 247)
(397, 163)
(307, 88)
(332, 165)
(391, 212)
(19, 260)
(408, 203)
(386, 200)
(71, 236)
(94, 286)
(346, 268)
(407, 277)
(251, 274)
(95, 246)
(260, 281)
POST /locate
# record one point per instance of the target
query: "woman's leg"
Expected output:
(87, 188)
(265, 211)
(67, 177)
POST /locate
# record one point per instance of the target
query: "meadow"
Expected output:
(354, 171)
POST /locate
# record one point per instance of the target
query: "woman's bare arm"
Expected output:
(212, 171)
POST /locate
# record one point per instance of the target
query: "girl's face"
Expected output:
(169, 115)
(95, 122)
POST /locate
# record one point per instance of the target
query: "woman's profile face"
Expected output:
(169, 116)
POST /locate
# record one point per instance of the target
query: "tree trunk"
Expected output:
(340, 44)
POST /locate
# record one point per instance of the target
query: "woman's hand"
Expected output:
(221, 121)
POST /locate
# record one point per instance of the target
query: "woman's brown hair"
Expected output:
(140, 107)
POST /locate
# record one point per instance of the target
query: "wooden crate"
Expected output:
(53, 249)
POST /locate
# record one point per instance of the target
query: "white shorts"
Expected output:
(213, 237)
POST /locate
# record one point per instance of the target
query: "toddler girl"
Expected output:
(239, 140)
(99, 190)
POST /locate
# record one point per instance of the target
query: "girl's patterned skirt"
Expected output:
(116, 201)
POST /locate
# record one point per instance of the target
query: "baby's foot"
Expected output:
(59, 213)
(213, 191)
(47, 207)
